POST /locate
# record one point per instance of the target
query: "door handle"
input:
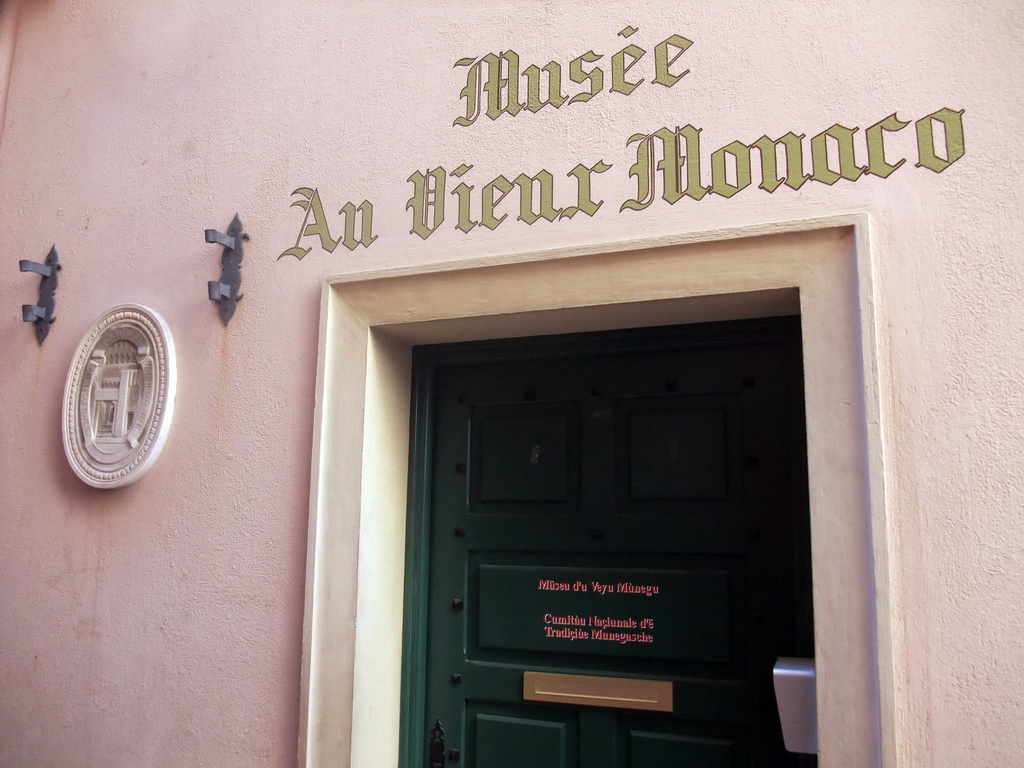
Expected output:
(435, 758)
(797, 699)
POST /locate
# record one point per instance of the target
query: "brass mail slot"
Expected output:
(592, 691)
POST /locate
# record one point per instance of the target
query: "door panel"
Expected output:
(526, 454)
(516, 740)
(685, 617)
(629, 506)
(675, 449)
(665, 749)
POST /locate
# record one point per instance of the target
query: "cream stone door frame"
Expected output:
(351, 676)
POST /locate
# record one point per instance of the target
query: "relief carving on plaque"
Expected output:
(119, 397)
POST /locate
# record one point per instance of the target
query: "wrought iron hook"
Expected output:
(41, 314)
(225, 291)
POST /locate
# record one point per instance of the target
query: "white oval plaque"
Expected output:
(119, 397)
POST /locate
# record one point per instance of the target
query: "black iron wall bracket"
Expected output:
(41, 314)
(225, 291)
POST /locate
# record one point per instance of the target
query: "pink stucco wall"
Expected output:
(160, 624)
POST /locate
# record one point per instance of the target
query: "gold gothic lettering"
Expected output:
(668, 163)
(950, 122)
(318, 227)
(495, 81)
(536, 198)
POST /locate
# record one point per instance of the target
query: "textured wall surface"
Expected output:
(160, 624)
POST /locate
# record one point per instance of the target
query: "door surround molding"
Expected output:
(822, 268)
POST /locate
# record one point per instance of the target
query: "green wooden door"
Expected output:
(621, 517)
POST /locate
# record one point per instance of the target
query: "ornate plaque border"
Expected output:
(142, 356)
